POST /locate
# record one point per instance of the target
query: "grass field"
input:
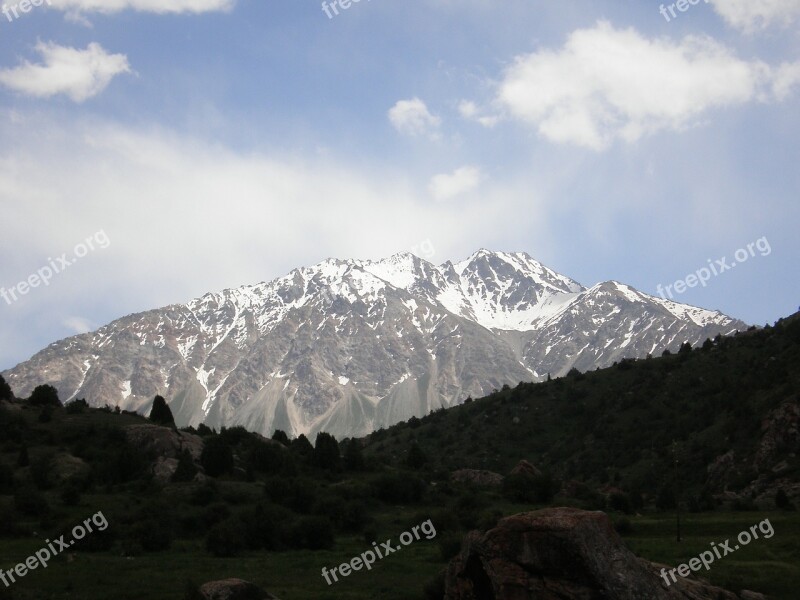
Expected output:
(771, 566)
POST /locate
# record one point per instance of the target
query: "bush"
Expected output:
(77, 407)
(782, 501)
(313, 533)
(434, 588)
(186, 469)
(29, 501)
(449, 546)
(227, 539)
(5, 390)
(399, 488)
(620, 503)
(623, 526)
(152, 535)
(217, 457)
(44, 395)
(6, 479)
(530, 488)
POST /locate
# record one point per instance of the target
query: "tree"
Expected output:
(217, 456)
(44, 395)
(161, 413)
(5, 390)
(302, 447)
(280, 436)
(186, 469)
(782, 501)
(353, 456)
(326, 452)
(416, 458)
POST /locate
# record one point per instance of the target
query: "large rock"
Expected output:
(561, 554)
(477, 477)
(525, 468)
(164, 446)
(233, 589)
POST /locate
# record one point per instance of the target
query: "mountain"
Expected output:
(350, 346)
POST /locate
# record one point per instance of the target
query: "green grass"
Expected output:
(771, 566)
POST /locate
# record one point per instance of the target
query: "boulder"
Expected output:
(525, 468)
(163, 441)
(477, 477)
(561, 554)
(233, 589)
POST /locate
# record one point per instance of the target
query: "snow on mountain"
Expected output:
(351, 346)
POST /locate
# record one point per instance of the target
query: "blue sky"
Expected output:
(217, 143)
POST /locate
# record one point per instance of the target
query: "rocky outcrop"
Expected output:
(477, 477)
(525, 468)
(561, 554)
(233, 589)
(164, 446)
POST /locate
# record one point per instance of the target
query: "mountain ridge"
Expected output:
(350, 346)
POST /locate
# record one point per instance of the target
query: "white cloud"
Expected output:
(79, 74)
(412, 117)
(449, 185)
(154, 6)
(78, 325)
(470, 110)
(754, 15)
(607, 84)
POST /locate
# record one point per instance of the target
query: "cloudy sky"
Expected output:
(206, 144)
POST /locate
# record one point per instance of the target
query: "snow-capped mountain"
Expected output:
(351, 346)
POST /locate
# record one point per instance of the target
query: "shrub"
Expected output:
(313, 533)
(217, 457)
(399, 488)
(5, 390)
(6, 478)
(449, 546)
(227, 539)
(29, 501)
(44, 395)
(77, 407)
(621, 503)
(623, 526)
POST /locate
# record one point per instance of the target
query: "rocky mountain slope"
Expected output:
(350, 346)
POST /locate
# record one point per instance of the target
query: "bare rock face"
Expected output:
(164, 442)
(561, 554)
(234, 589)
(477, 477)
(164, 446)
(525, 468)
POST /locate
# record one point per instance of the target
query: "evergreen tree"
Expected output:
(326, 452)
(301, 447)
(280, 436)
(217, 456)
(186, 468)
(161, 413)
(353, 456)
(416, 458)
(5, 390)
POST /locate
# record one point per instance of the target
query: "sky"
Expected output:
(152, 151)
